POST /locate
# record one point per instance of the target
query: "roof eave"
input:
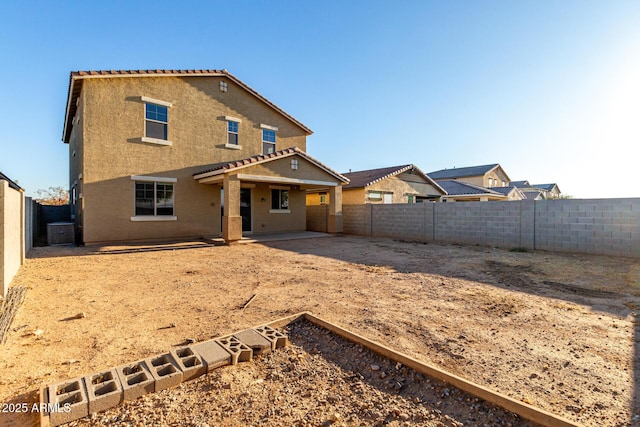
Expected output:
(83, 75)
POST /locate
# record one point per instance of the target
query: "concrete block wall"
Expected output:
(357, 219)
(596, 226)
(593, 226)
(487, 223)
(399, 221)
(317, 218)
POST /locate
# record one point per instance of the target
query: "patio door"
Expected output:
(245, 209)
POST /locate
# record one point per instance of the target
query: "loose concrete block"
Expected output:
(43, 400)
(104, 390)
(165, 371)
(190, 363)
(67, 402)
(214, 354)
(136, 380)
(239, 352)
(277, 338)
(253, 339)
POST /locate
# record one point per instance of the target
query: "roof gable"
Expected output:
(463, 172)
(76, 78)
(365, 178)
(225, 167)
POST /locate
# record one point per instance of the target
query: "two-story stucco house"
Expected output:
(485, 176)
(164, 154)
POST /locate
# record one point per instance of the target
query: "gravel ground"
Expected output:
(320, 379)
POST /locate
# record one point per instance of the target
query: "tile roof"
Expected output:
(502, 190)
(361, 179)
(532, 195)
(547, 187)
(221, 168)
(458, 188)
(462, 172)
(76, 78)
(12, 184)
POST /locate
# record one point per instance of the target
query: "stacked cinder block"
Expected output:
(70, 400)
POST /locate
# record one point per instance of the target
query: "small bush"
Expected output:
(519, 249)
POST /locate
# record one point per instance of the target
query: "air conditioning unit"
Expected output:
(60, 233)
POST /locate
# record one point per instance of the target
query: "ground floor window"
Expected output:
(279, 199)
(154, 199)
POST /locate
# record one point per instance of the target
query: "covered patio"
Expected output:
(266, 194)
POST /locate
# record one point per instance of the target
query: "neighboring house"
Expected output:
(533, 195)
(484, 176)
(396, 184)
(512, 192)
(163, 154)
(458, 191)
(551, 191)
(538, 191)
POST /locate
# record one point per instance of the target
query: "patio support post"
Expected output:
(334, 223)
(231, 219)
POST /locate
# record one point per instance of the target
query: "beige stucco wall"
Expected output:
(401, 186)
(110, 151)
(11, 234)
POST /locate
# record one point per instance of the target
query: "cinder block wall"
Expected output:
(598, 226)
(594, 226)
(356, 219)
(11, 234)
(317, 218)
(486, 223)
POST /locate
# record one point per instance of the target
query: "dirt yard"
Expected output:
(554, 330)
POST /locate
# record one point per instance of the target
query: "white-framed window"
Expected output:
(387, 198)
(223, 86)
(490, 182)
(410, 198)
(375, 195)
(154, 198)
(504, 184)
(279, 200)
(294, 164)
(156, 121)
(232, 132)
(268, 139)
(323, 198)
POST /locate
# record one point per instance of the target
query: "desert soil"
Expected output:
(554, 330)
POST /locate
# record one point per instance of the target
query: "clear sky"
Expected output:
(548, 89)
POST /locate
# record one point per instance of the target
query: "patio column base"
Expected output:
(231, 228)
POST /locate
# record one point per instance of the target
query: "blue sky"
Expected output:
(548, 89)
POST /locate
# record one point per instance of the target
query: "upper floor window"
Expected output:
(157, 119)
(232, 132)
(268, 138)
(268, 141)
